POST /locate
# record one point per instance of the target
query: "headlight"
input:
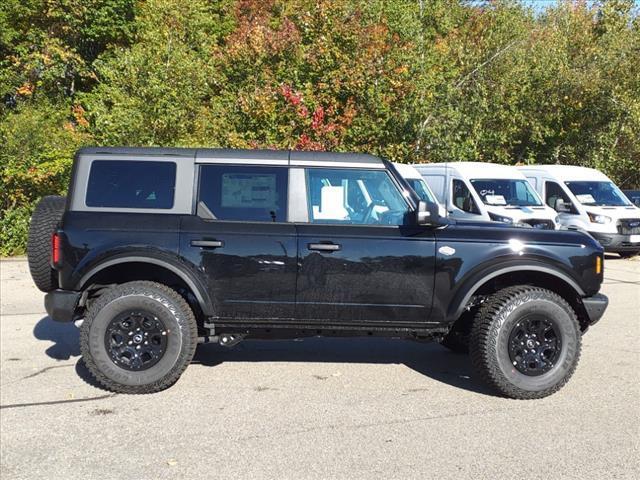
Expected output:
(597, 218)
(500, 218)
(557, 219)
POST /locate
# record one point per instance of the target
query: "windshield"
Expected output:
(420, 187)
(506, 192)
(598, 193)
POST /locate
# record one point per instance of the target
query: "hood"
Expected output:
(615, 213)
(521, 214)
(501, 232)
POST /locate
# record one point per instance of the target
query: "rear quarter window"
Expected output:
(131, 184)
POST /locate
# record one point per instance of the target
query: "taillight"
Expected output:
(56, 249)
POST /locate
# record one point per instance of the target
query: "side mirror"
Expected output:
(562, 207)
(427, 213)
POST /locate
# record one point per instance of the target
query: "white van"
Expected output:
(487, 192)
(418, 184)
(588, 200)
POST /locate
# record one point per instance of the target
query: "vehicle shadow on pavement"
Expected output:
(66, 344)
(429, 359)
(65, 338)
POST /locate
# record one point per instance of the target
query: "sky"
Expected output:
(540, 5)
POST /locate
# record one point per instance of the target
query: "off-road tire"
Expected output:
(490, 338)
(163, 302)
(44, 220)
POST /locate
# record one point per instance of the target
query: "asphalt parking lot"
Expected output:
(317, 408)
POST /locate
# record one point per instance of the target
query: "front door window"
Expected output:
(354, 197)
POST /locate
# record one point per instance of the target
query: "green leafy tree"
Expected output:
(412, 80)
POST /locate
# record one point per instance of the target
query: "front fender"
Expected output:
(468, 257)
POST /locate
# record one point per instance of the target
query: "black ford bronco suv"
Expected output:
(156, 250)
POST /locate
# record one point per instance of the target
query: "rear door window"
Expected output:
(131, 184)
(244, 193)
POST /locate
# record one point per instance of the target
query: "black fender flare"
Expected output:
(462, 297)
(173, 265)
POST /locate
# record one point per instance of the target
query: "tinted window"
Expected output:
(357, 197)
(462, 198)
(254, 194)
(130, 184)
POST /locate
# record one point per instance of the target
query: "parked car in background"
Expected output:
(488, 192)
(634, 196)
(419, 185)
(588, 200)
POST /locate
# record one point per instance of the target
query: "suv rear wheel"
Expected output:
(138, 337)
(525, 342)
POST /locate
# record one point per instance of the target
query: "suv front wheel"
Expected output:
(525, 342)
(138, 337)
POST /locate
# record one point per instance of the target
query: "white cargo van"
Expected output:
(588, 200)
(418, 184)
(487, 192)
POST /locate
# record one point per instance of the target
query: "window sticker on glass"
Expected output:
(586, 198)
(254, 191)
(495, 200)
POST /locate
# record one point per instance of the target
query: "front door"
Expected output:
(241, 241)
(360, 260)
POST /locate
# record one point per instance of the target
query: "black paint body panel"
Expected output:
(379, 274)
(92, 238)
(264, 273)
(482, 251)
(253, 274)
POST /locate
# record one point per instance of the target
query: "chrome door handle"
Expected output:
(324, 247)
(207, 243)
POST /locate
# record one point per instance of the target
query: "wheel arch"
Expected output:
(536, 275)
(131, 268)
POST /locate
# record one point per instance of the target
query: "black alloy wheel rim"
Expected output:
(136, 340)
(534, 345)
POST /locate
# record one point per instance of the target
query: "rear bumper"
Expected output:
(595, 307)
(61, 305)
(616, 242)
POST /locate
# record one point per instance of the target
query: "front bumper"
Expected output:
(616, 242)
(595, 307)
(61, 305)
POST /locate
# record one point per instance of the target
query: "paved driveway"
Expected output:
(317, 408)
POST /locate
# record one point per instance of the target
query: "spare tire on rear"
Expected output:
(44, 220)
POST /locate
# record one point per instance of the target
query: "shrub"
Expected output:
(14, 227)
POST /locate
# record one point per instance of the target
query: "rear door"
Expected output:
(361, 262)
(241, 240)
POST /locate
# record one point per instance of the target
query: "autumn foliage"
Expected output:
(414, 81)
